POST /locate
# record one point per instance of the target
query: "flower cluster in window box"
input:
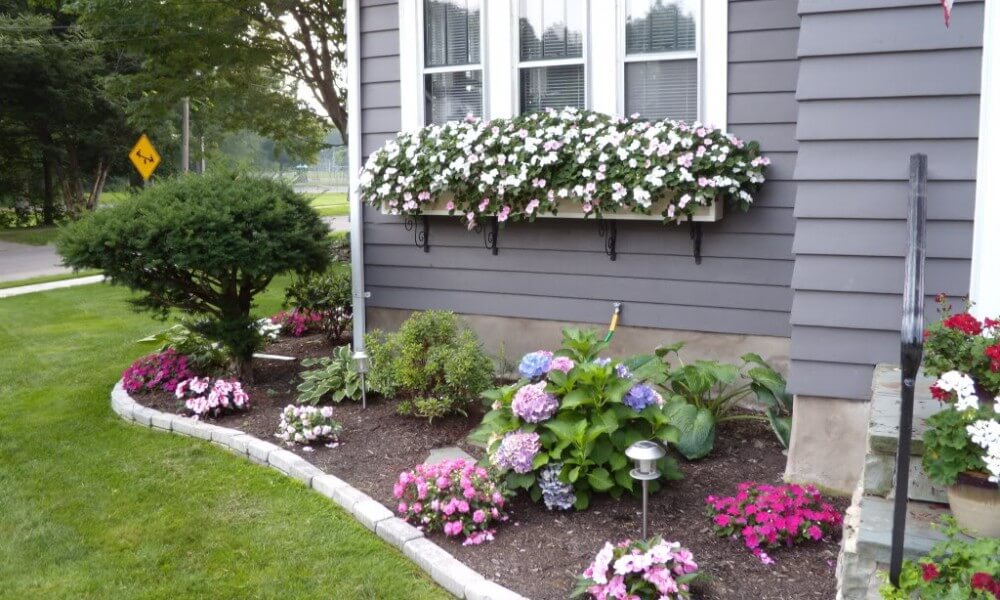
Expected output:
(307, 425)
(160, 371)
(453, 496)
(767, 516)
(639, 570)
(204, 398)
(532, 164)
(561, 431)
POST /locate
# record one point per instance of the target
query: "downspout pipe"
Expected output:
(358, 294)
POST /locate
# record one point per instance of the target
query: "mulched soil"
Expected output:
(539, 553)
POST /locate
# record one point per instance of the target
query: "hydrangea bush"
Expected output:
(768, 516)
(562, 430)
(525, 166)
(201, 397)
(160, 371)
(454, 496)
(307, 425)
(653, 570)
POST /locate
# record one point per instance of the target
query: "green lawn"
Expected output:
(91, 507)
(34, 236)
(331, 204)
(48, 278)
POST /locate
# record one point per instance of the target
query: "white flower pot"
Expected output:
(976, 505)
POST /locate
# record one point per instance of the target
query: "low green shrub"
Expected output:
(326, 295)
(707, 392)
(335, 377)
(431, 364)
(562, 430)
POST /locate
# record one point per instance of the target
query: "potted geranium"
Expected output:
(962, 441)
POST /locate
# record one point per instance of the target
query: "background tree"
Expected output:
(205, 245)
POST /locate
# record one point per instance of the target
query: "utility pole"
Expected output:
(186, 134)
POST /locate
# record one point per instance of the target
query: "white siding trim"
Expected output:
(500, 75)
(410, 65)
(714, 65)
(984, 288)
(604, 61)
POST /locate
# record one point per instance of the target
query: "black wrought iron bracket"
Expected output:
(608, 229)
(421, 233)
(696, 236)
(490, 234)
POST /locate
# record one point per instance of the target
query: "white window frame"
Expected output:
(604, 60)
(521, 65)
(412, 73)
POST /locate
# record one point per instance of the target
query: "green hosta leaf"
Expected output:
(782, 427)
(647, 367)
(697, 429)
(600, 479)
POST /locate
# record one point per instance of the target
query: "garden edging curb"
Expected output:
(450, 573)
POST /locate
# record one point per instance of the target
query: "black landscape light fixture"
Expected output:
(911, 351)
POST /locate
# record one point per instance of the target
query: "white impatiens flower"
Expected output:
(964, 388)
(641, 196)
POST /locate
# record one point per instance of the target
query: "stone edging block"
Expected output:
(445, 569)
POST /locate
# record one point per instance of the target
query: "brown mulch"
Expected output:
(539, 553)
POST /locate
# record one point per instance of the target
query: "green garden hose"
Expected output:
(614, 322)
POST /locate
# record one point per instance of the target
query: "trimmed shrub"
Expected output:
(324, 297)
(205, 245)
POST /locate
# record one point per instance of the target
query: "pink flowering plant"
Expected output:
(639, 570)
(298, 322)
(160, 371)
(561, 431)
(454, 496)
(530, 165)
(768, 516)
(307, 425)
(204, 398)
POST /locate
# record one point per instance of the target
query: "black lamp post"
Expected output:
(911, 351)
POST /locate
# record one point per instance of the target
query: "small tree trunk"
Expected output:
(244, 369)
(48, 201)
(99, 178)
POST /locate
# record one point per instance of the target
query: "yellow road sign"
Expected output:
(144, 157)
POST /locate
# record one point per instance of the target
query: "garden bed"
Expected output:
(539, 553)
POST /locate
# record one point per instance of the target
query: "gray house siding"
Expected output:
(557, 269)
(878, 80)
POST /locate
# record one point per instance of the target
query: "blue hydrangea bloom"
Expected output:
(602, 361)
(622, 371)
(535, 364)
(557, 495)
(641, 396)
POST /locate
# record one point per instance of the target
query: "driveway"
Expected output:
(20, 261)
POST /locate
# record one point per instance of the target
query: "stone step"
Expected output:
(883, 431)
(878, 477)
(875, 529)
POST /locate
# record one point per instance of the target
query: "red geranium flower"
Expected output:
(965, 323)
(930, 571)
(986, 583)
(939, 394)
(993, 353)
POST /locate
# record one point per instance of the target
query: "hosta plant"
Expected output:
(204, 398)
(528, 165)
(705, 393)
(454, 496)
(204, 356)
(307, 425)
(639, 570)
(333, 378)
(768, 516)
(161, 371)
(580, 412)
(955, 568)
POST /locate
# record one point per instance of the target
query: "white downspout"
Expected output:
(984, 284)
(354, 166)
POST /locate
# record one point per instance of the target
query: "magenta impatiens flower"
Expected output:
(162, 371)
(768, 516)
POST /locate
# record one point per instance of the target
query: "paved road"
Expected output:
(20, 261)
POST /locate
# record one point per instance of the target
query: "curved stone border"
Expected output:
(454, 576)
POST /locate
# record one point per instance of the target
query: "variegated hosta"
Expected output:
(525, 166)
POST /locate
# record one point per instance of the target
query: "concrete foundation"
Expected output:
(828, 443)
(509, 338)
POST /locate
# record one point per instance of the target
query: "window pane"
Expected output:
(660, 26)
(551, 29)
(552, 87)
(451, 32)
(453, 96)
(666, 89)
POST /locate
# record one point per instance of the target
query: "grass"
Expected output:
(331, 204)
(33, 236)
(48, 278)
(91, 507)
